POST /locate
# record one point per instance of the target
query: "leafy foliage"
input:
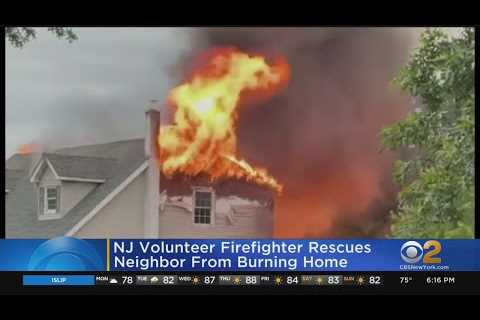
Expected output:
(19, 36)
(437, 182)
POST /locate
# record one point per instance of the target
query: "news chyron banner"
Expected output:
(179, 255)
(58, 254)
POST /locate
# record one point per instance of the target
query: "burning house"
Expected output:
(182, 180)
(317, 143)
(117, 190)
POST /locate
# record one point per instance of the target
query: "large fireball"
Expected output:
(202, 138)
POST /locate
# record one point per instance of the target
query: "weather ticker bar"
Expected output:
(336, 283)
(239, 280)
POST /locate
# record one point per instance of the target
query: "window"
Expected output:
(203, 207)
(51, 200)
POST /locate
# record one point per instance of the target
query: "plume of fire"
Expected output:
(202, 138)
(28, 148)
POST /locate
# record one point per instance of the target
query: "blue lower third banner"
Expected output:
(294, 255)
(71, 254)
(58, 254)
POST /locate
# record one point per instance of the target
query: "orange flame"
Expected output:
(202, 138)
(28, 148)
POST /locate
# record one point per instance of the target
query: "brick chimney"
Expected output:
(152, 190)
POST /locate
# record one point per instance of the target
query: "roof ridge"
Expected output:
(97, 144)
(21, 155)
(75, 156)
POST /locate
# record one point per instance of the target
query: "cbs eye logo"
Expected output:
(413, 252)
(65, 254)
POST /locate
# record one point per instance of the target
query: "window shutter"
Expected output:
(41, 201)
(58, 199)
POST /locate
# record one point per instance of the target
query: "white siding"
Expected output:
(178, 223)
(72, 192)
(122, 218)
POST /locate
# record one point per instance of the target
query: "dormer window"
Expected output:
(51, 200)
(74, 176)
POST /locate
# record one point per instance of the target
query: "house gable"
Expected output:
(46, 176)
(121, 217)
(45, 172)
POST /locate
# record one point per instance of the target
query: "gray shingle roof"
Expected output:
(72, 166)
(11, 178)
(17, 162)
(20, 208)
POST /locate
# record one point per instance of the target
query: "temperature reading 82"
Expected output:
(375, 280)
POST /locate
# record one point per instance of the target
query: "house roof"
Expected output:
(11, 178)
(81, 167)
(113, 162)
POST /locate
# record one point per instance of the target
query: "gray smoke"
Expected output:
(320, 136)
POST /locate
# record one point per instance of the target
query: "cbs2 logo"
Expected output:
(413, 252)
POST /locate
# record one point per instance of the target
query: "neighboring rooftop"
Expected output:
(81, 167)
(112, 162)
(17, 162)
(11, 178)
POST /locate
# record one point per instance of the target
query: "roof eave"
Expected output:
(76, 179)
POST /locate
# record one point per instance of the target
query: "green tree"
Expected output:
(436, 198)
(19, 36)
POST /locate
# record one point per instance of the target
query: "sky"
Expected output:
(93, 90)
